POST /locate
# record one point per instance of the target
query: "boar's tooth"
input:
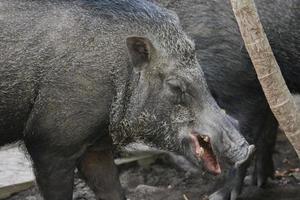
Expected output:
(201, 151)
(206, 139)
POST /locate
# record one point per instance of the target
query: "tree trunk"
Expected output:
(268, 72)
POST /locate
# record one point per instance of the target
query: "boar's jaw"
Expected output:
(226, 140)
(204, 152)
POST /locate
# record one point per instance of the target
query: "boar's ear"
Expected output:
(140, 51)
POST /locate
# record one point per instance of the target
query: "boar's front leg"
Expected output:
(54, 173)
(100, 172)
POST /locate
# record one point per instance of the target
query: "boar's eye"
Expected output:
(178, 90)
(176, 86)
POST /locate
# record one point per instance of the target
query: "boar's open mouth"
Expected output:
(204, 151)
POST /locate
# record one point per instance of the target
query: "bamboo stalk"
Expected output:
(268, 72)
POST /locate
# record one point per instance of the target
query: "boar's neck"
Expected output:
(145, 128)
(124, 84)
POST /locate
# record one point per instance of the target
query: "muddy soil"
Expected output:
(164, 181)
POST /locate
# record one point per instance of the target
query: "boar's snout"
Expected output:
(218, 136)
(232, 145)
(202, 149)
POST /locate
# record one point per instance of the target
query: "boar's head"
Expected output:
(168, 105)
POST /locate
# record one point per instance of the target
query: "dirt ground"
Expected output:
(162, 181)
